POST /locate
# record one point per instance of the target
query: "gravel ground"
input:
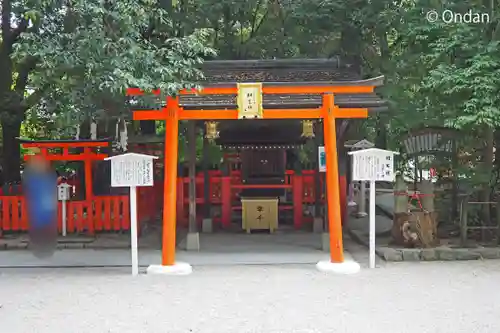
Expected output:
(450, 297)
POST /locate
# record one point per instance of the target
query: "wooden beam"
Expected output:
(293, 113)
(149, 114)
(72, 144)
(317, 89)
(170, 185)
(332, 182)
(208, 114)
(206, 179)
(318, 141)
(350, 113)
(233, 114)
(71, 158)
(270, 89)
(192, 175)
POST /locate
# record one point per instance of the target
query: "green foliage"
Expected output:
(89, 52)
(85, 53)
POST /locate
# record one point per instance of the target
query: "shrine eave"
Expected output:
(334, 62)
(247, 146)
(216, 102)
(374, 82)
(297, 99)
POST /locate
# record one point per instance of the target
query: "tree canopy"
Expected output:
(77, 57)
(74, 58)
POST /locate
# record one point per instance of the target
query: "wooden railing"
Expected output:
(111, 213)
(108, 213)
(225, 190)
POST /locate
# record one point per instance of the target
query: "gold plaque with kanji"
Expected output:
(260, 214)
(249, 100)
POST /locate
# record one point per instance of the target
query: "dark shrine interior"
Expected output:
(263, 147)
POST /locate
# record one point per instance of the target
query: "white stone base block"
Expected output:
(179, 268)
(347, 267)
(207, 226)
(318, 225)
(325, 242)
(193, 241)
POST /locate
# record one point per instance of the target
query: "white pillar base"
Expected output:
(318, 225)
(347, 267)
(361, 214)
(179, 268)
(325, 242)
(207, 226)
(193, 241)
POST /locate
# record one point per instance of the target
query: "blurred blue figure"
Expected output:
(40, 190)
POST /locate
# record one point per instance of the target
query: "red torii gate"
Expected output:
(87, 157)
(172, 113)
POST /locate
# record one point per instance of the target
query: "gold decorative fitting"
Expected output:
(211, 130)
(308, 128)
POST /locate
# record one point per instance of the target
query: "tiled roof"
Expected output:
(281, 70)
(292, 71)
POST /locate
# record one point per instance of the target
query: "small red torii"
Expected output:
(87, 157)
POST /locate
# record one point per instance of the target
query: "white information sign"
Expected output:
(132, 170)
(372, 165)
(361, 144)
(321, 159)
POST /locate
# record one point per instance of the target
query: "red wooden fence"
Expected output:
(111, 213)
(224, 191)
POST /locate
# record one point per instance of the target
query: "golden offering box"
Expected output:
(260, 214)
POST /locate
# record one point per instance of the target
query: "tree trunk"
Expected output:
(416, 228)
(11, 150)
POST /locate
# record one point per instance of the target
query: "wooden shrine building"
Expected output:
(260, 113)
(261, 110)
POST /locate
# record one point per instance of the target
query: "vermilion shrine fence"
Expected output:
(111, 213)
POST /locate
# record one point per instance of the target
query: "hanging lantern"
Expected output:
(308, 128)
(211, 130)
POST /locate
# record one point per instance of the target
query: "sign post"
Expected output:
(63, 196)
(360, 145)
(373, 165)
(132, 170)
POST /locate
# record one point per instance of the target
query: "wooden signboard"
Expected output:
(249, 100)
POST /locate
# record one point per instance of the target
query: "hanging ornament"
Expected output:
(93, 130)
(308, 128)
(124, 137)
(211, 130)
(117, 130)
